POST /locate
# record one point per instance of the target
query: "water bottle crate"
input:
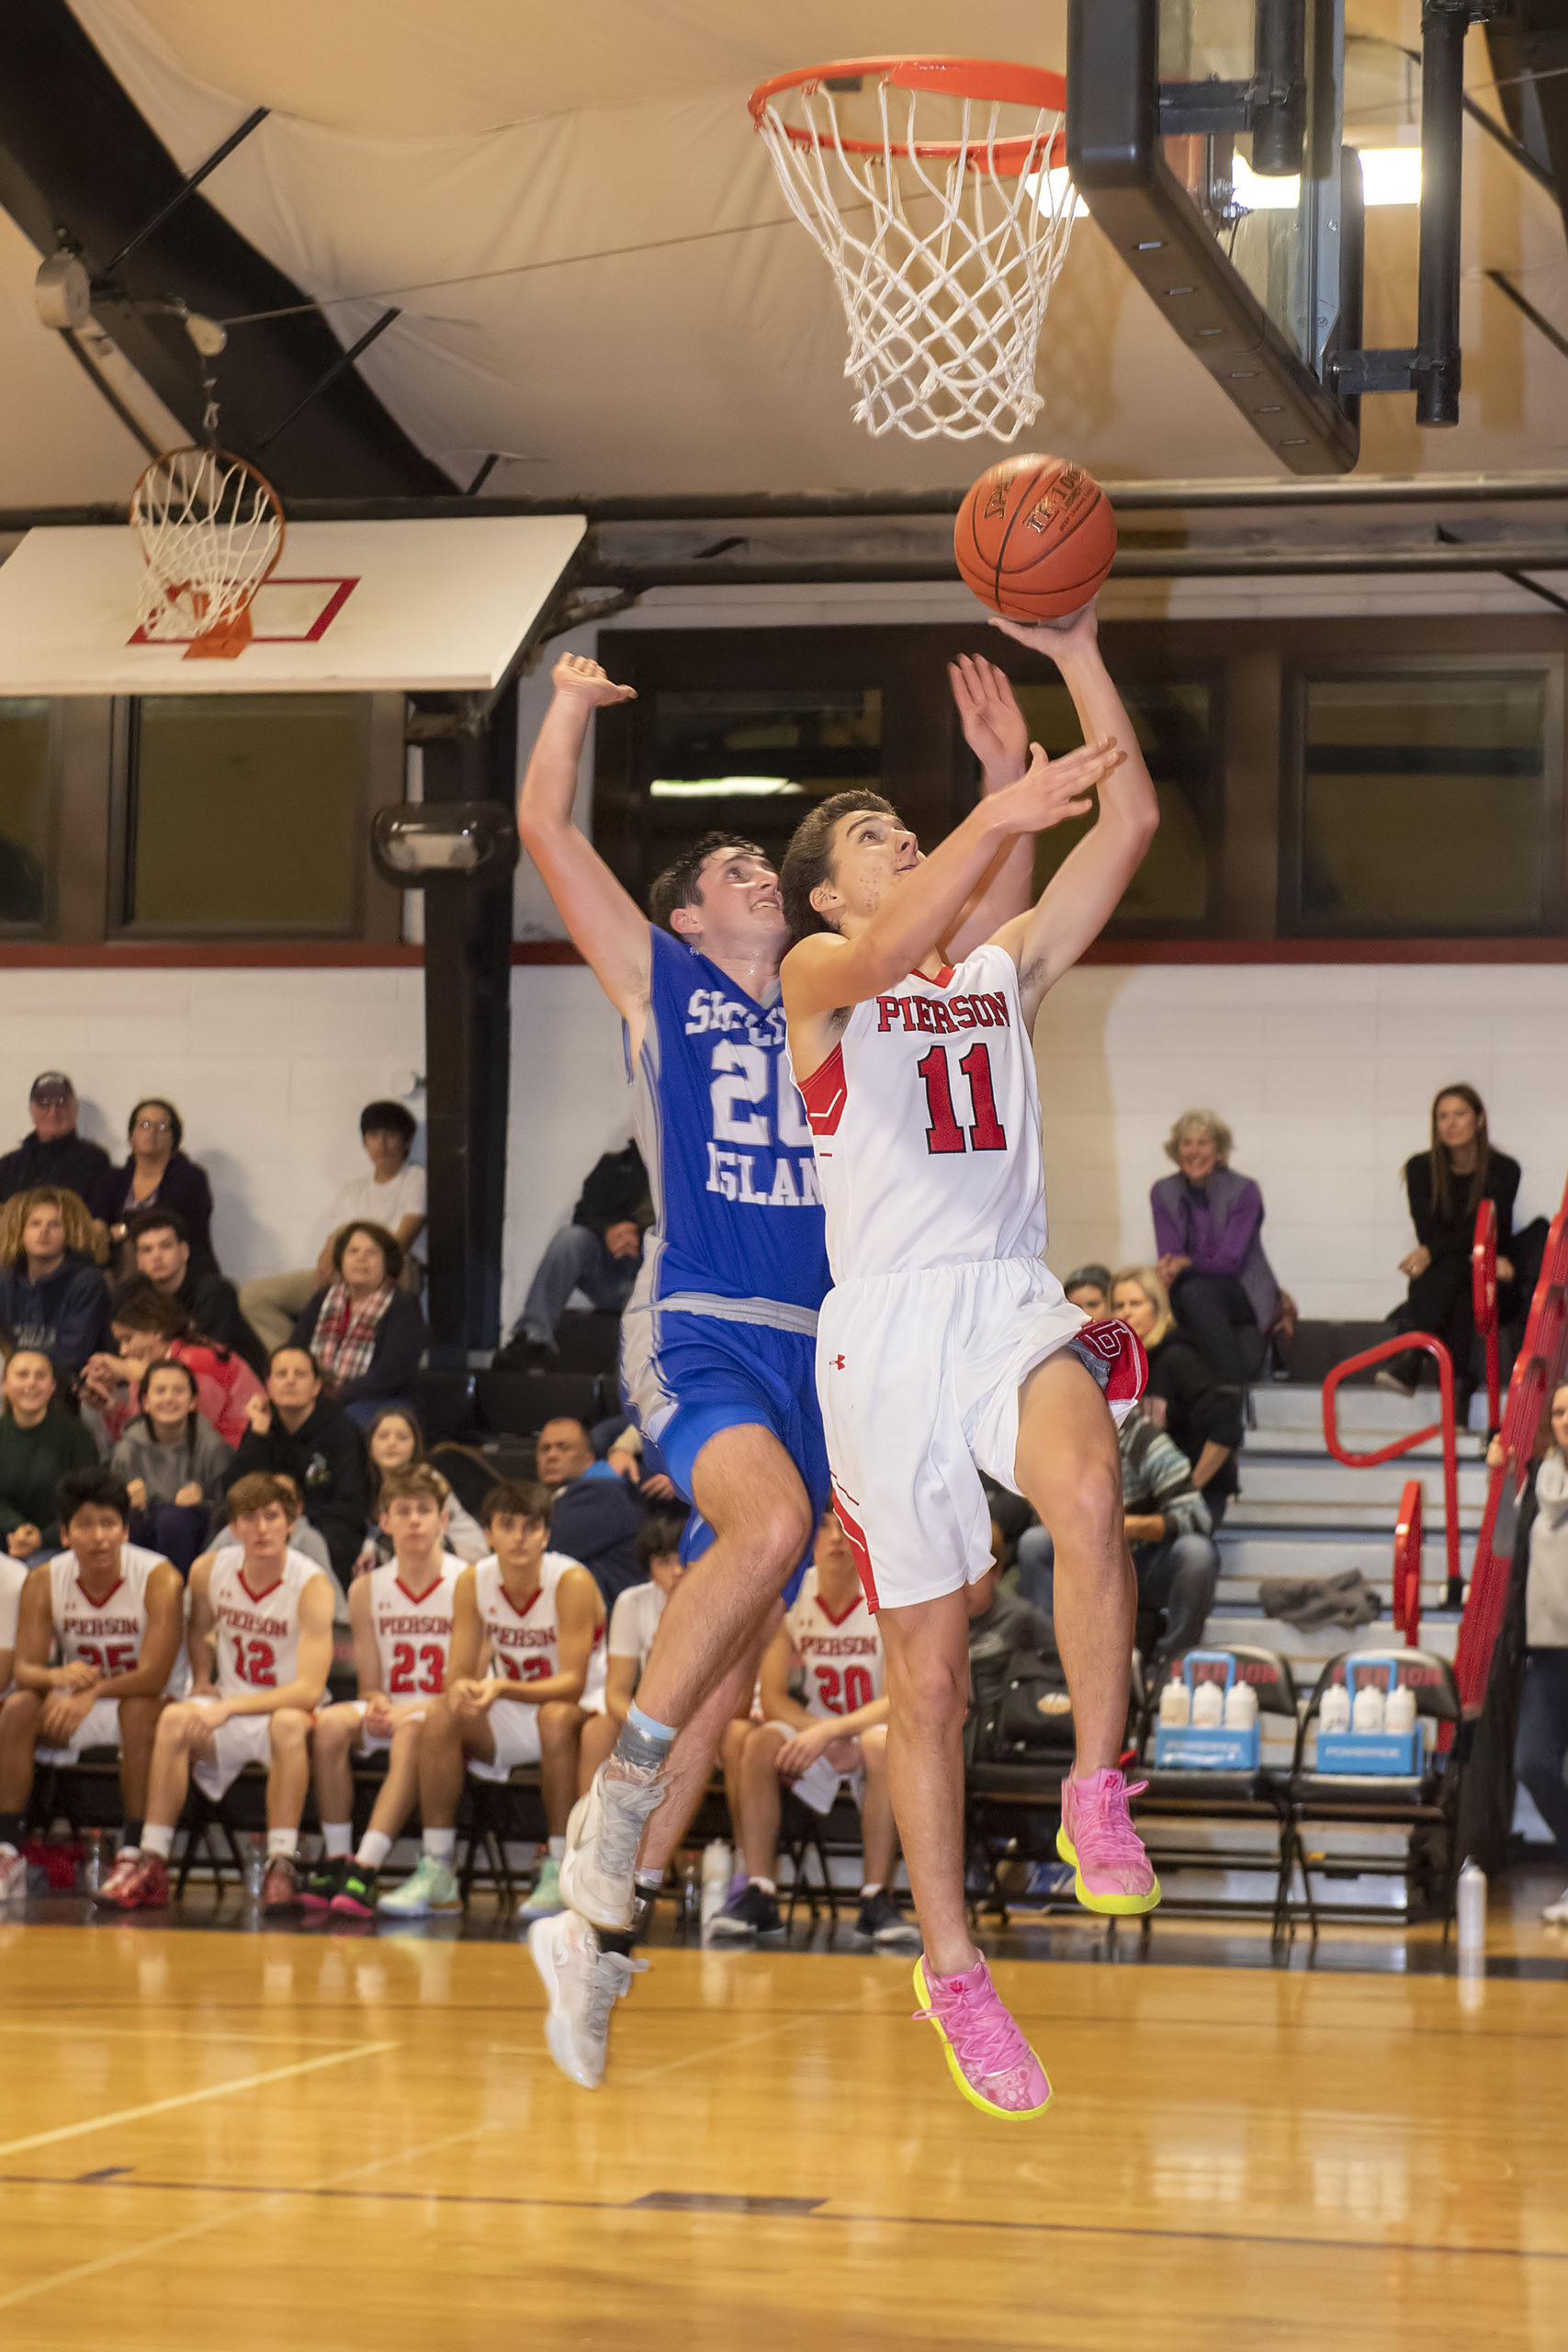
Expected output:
(1188, 1748)
(1393, 1755)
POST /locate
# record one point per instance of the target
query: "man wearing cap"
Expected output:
(54, 1154)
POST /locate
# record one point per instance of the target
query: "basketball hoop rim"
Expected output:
(990, 79)
(201, 450)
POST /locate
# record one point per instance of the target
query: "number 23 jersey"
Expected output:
(413, 1632)
(925, 1120)
(841, 1655)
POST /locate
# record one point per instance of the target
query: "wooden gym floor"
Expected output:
(230, 2139)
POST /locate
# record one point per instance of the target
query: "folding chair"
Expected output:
(1192, 1793)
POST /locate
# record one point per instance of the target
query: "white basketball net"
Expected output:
(944, 265)
(211, 530)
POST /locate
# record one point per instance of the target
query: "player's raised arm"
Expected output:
(996, 733)
(1084, 892)
(606, 925)
(824, 972)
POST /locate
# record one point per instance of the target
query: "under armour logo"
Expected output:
(837, 1363)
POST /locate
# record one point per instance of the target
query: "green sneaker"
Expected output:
(428, 1893)
(546, 1899)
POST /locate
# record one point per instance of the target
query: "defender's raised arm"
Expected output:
(606, 925)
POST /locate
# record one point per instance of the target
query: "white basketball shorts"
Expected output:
(373, 1743)
(817, 1787)
(918, 1376)
(239, 1740)
(514, 1728)
(99, 1727)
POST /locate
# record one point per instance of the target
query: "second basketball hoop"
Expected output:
(936, 189)
(211, 531)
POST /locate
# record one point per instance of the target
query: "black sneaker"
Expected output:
(322, 1882)
(752, 1913)
(358, 1892)
(882, 1922)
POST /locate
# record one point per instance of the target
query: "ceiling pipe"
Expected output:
(1132, 563)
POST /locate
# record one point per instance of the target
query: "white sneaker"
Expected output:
(12, 1875)
(582, 1985)
(1556, 1913)
(602, 1840)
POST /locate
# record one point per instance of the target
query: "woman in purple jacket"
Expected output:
(1208, 1231)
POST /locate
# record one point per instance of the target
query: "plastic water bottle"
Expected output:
(717, 1865)
(1471, 1908)
(1369, 1713)
(1241, 1707)
(1176, 1704)
(1208, 1706)
(1399, 1715)
(252, 1856)
(1334, 1715)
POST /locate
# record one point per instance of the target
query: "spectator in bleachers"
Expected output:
(1003, 1623)
(297, 1431)
(98, 1631)
(162, 1256)
(172, 1461)
(1542, 1546)
(1167, 1525)
(149, 1326)
(396, 1441)
(1182, 1397)
(598, 1253)
(367, 1335)
(1209, 1234)
(54, 1154)
(39, 1441)
(51, 1294)
(633, 1620)
(1089, 1287)
(157, 1175)
(393, 1195)
(1445, 1185)
(594, 1517)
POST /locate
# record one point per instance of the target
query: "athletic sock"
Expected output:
(440, 1845)
(339, 1839)
(130, 1838)
(374, 1848)
(11, 1831)
(644, 1895)
(643, 1743)
(558, 1850)
(157, 1839)
(282, 1845)
(866, 1892)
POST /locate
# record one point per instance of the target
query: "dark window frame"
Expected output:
(1309, 669)
(53, 825)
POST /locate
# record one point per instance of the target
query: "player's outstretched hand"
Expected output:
(994, 728)
(1073, 633)
(574, 674)
(1050, 791)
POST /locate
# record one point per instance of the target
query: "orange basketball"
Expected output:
(1034, 539)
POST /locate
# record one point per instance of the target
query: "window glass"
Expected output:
(245, 813)
(24, 808)
(753, 761)
(1424, 802)
(1175, 720)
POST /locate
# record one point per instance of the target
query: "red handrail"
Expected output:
(1536, 1370)
(1484, 1288)
(1407, 1565)
(1403, 1343)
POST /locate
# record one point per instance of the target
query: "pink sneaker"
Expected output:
(1112, 1871)
(987, 2056)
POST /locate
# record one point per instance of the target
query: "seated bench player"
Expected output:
(538, 1619)
(633, 1620)
(260, 1643)
(112, 1615)
(838, 1735)
(401, 1614)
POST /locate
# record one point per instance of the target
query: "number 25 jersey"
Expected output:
(925, 1119)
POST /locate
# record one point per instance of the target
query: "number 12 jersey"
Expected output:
(925, 1120)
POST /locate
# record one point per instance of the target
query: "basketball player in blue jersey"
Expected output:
(718, 1348)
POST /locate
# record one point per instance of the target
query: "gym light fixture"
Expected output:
(458, 841)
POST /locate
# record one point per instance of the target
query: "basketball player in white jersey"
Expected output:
(260, 1643)
(539, 1619)
(401, 1615)
(945, 1346)
(112, 1615)
(837, 1735)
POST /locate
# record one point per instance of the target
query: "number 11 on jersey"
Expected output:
(943, 1132)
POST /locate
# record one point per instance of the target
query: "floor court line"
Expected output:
(192, 2098)
(336, 2190)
